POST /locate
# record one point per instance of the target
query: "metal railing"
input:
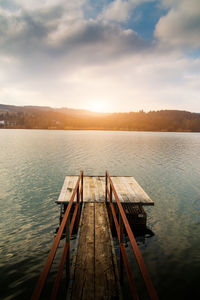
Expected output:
(65, 258)
(123, 260)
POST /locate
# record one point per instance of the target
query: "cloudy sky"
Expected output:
(101, 55)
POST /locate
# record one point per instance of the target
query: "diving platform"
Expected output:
(127, 188)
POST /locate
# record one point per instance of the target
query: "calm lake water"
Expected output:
(33, 165)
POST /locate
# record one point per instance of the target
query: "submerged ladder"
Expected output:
(95, 275)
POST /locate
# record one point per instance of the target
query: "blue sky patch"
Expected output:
(144, 19)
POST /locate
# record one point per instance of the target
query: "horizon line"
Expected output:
(100, 112)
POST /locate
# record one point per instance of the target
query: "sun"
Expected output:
(98, 106)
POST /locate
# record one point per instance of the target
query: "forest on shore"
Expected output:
(38, 117)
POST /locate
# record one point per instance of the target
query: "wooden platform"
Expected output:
(95, 275)
(127, 188)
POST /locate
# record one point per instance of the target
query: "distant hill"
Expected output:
(68, 111)
(44, 117)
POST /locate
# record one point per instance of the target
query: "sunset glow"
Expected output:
(98, 106)
(142, 54)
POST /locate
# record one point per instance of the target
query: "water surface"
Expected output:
(33, 164)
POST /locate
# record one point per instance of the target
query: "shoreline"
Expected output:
(100, 129)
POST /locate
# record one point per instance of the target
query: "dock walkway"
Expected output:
(95, 275)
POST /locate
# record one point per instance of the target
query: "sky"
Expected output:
(101, 55)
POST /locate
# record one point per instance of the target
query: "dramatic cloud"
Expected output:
(71, 53)
(60, 30)
(181, 26)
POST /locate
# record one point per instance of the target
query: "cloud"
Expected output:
(43, 49)
(120, 10)
(117, 10)
(36, 5)
(51, 54)
(29, 32)
(181, 26)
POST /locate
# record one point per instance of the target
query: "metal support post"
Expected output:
(68, 252)
(106, 195)
(121, 276)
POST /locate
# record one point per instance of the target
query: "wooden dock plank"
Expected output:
(120, 189)
(63, 190)
(95, 189)
(95, 271)
(83, 282)
(86, 190)
(141, 195)
(93, 193)
(105, 277)
(100, 188)
(128, 190)
(67, 188)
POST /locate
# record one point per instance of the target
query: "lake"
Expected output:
(33, 165)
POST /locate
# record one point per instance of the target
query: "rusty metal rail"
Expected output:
(65, 259)
(123, 223)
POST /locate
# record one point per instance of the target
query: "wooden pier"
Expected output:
(95, 275)
(101, 203)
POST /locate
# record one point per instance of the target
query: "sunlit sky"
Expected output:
(101, 55)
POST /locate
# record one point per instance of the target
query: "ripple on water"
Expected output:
(33, 166)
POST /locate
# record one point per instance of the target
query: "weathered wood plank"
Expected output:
(105, 277)
(95, 275)
(92, 190)
(100, 189)
(67, 189)
(63, 190)
(128, 190)
(119, 186)
(83, 282)
(85, 190)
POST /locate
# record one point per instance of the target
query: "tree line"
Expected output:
(36, 118)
